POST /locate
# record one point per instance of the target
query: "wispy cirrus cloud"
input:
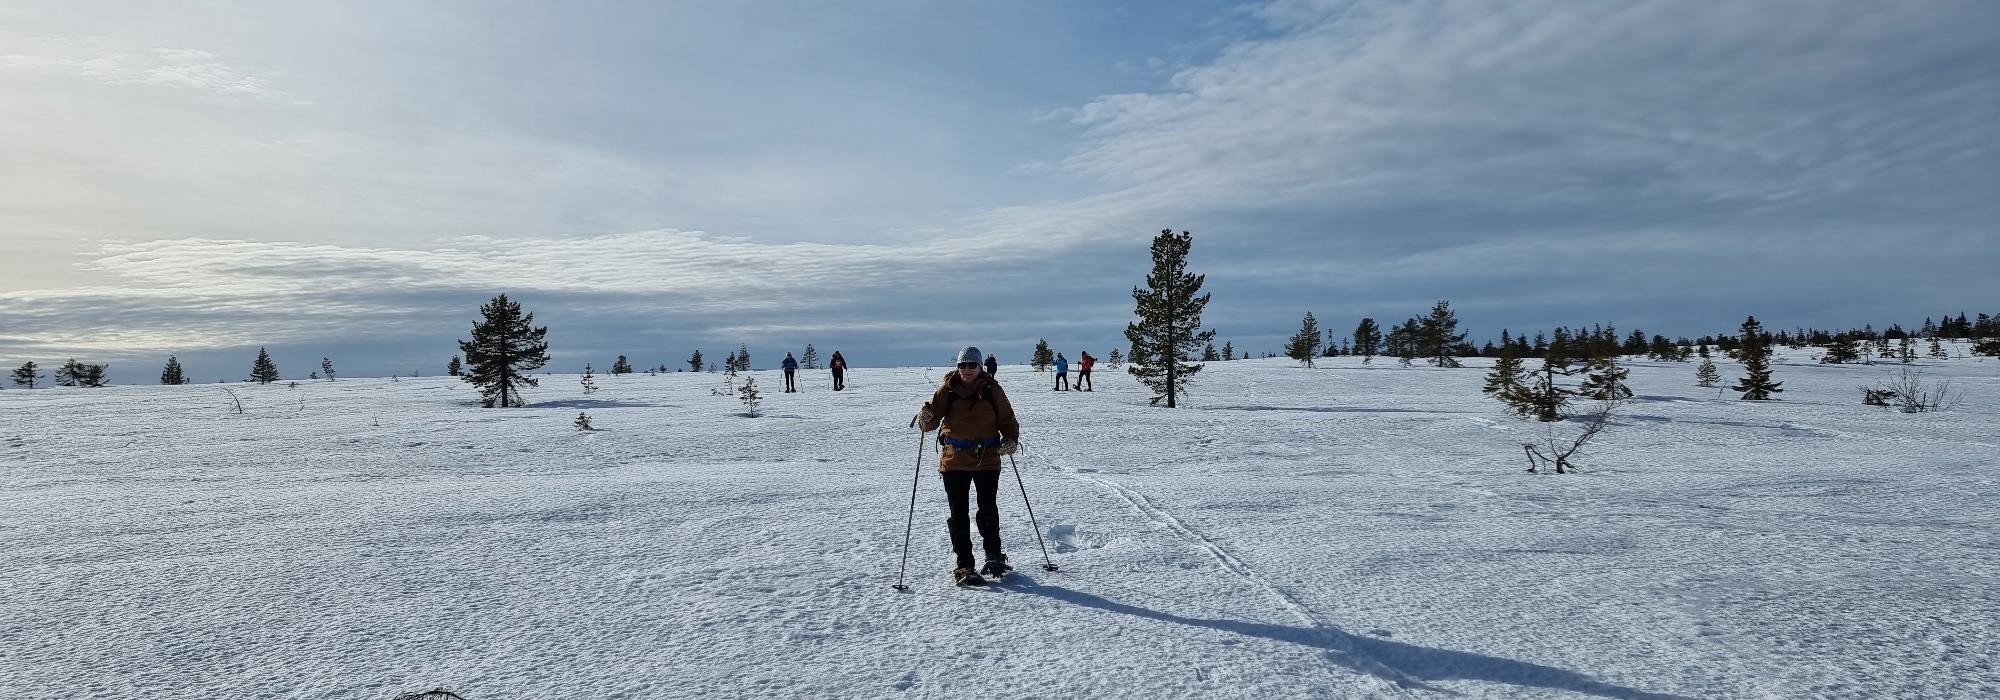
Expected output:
(93, 58)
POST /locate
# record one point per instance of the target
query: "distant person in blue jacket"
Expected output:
(1062, 373)
(791, 374)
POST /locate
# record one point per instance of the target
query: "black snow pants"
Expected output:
(957, 484)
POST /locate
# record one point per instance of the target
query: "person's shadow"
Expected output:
(1407, 665)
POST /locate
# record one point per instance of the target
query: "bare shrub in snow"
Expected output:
(583, 422)
(433, 694)
(1872, 396)
(1562, 447)
(1910, 392)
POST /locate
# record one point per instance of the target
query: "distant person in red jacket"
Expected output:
(1083, 363)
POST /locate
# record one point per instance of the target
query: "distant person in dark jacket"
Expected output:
(992, 366)
(839, 367)
(791, 374)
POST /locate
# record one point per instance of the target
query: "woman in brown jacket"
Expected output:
(978, 428)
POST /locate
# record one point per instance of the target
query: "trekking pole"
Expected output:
(1046, 564)
(912, 521)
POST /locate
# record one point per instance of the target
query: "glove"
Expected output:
(924, 416)
(1008, 447)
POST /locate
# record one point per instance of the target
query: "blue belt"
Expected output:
(968, 444)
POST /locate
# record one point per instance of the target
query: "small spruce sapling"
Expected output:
(1707, 375)
(263, 371)
(1606, 380)
(589, 380)
(1507, 373)
(1544, 400)
(752, 400)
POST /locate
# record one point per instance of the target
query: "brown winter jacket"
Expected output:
(978, 410)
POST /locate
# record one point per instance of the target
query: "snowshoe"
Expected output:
(965, 576)
(996, 569)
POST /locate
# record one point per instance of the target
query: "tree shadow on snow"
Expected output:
(1328, 409)
(1407, 665)
(592, 403)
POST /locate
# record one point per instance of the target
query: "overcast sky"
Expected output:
(895, 179)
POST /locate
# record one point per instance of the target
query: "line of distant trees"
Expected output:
(1435, 338)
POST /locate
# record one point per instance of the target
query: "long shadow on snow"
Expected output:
(1328, 409)
(1404, 664)
(593, 403)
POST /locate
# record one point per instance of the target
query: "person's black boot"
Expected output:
(965, 576)
(996, 567)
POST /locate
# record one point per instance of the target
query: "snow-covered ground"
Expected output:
(1333, 532)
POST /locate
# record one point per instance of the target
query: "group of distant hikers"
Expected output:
(836, 363)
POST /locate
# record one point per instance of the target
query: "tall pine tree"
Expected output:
(505, 344)
(27, 374)
(1755, 355)
(1042, 357)
(73, 373)
(263, 371)
(455, 367)
(694, 362)
(1440, 337)
(172, 374)
(1304, 345)
(621, 366)
(1367, 340)
(1407, 341)
(1167, 333)
(810, 359)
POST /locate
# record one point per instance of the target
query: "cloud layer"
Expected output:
(903, 178)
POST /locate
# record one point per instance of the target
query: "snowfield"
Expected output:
(1344, 531)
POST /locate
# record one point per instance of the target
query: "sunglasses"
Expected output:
(968, 365)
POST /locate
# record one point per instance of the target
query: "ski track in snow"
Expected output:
(1145, 507)
(364, 538)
